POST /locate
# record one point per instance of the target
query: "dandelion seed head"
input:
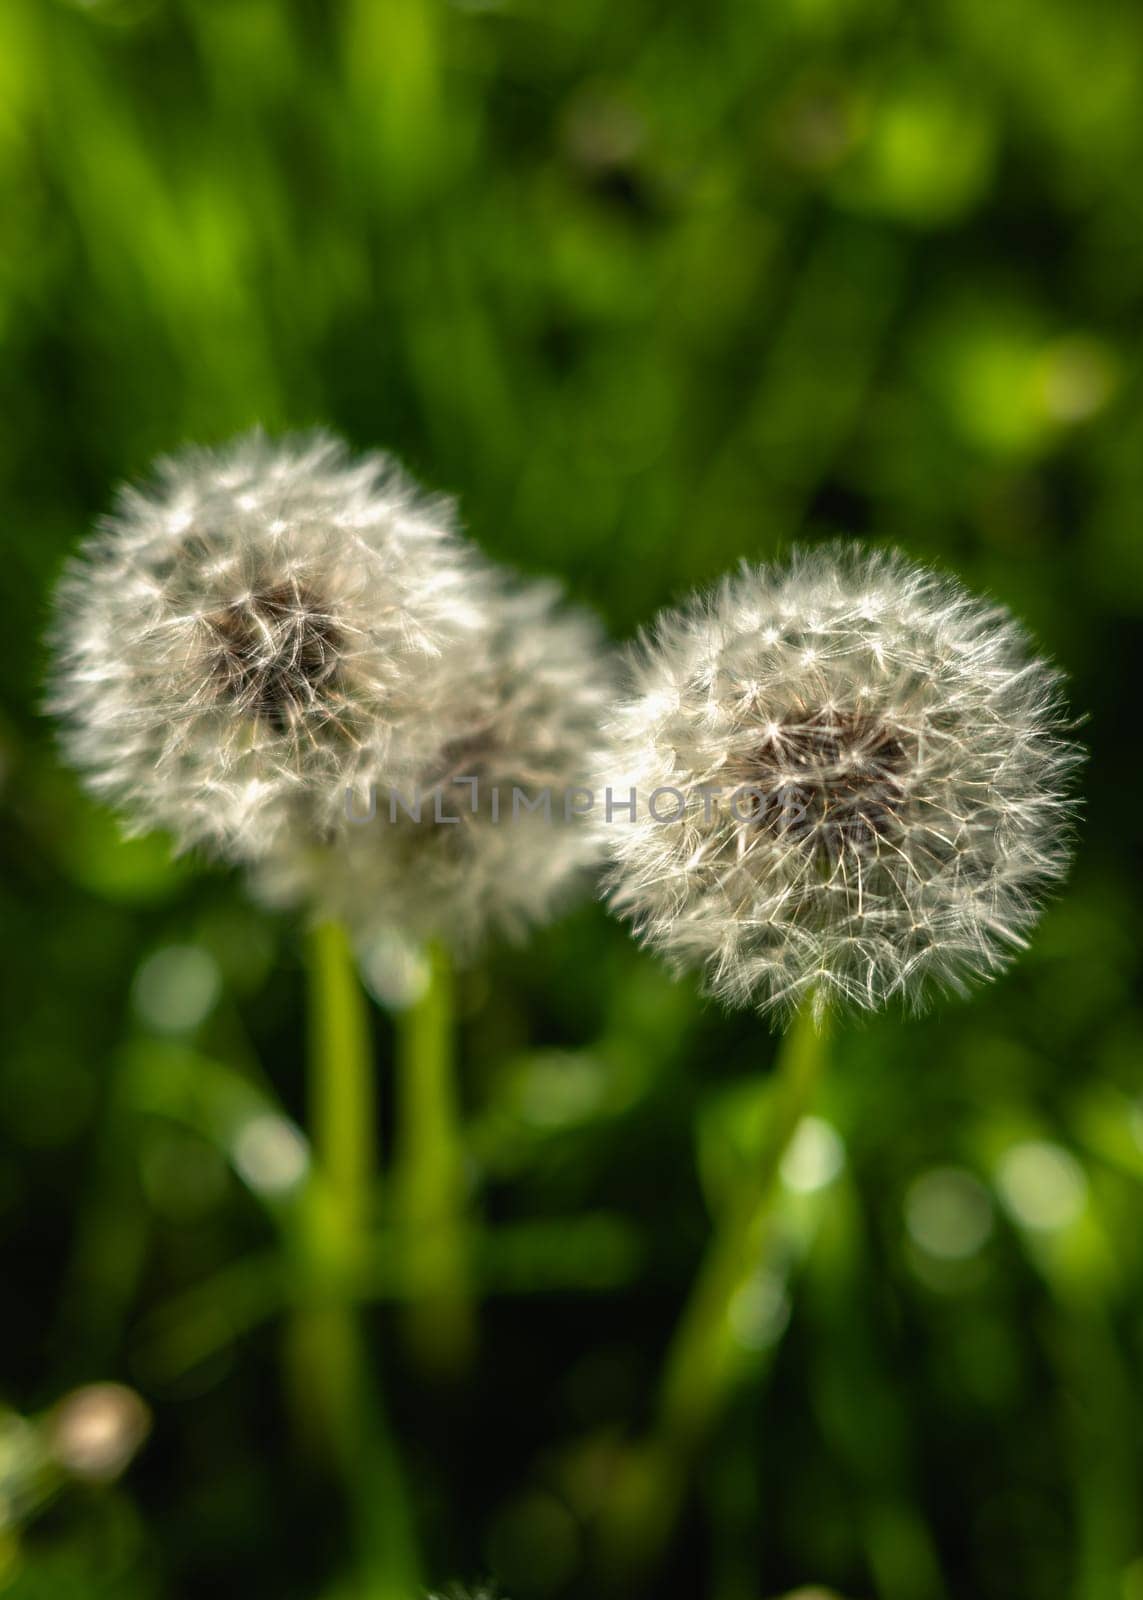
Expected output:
(262, 622)
(524, 716)
(893, 773)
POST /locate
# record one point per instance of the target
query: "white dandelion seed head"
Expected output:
(262, 624)
(525, 716)
(893, 774)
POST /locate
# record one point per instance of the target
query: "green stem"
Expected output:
(337, 1401)
(703, 1359)
(343, 1109)
(429, 1178)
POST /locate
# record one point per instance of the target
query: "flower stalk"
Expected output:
(429, 1178)
(343, 1107)
(337, 1402)
(702, 1360)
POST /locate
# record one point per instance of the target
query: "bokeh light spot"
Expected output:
(176, 988)
(394, 969)
(94, 1431)
(760, 1311)
(815, 1157)
(560, 1089)
(1042, 1185)
(948, 1213)
(1077, 379)
(270, 1154)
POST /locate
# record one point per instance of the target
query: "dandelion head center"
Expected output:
(274, 653)
(833, 780)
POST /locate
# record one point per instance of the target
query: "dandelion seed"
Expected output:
(901, 770)
(267, 621)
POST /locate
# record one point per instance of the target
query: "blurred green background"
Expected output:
(651, 288)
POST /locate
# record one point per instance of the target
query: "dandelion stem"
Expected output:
(429, 1179)
(701, 1352)
(343, 1106)
(338, 1401)
(703, 1360)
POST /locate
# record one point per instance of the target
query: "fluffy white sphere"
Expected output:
(497, 847)
(874, 773)
(263, 624)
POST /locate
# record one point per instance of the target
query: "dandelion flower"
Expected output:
(874, 771)
(501, 840)
(266, 620)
